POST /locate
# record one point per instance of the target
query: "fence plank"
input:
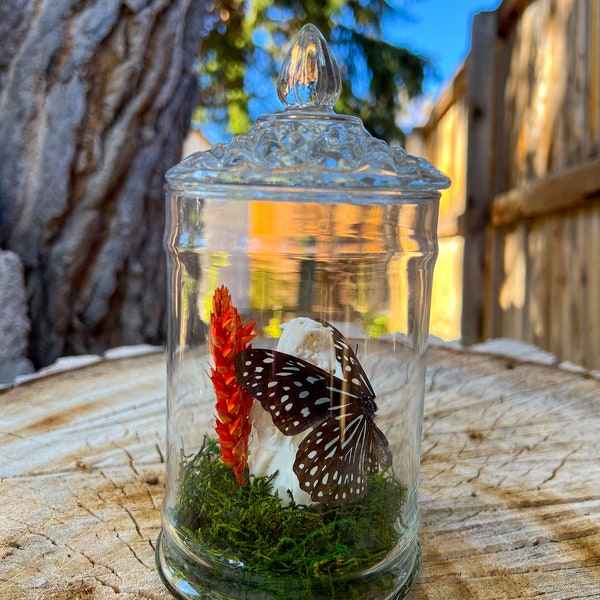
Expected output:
(508, 12)
(532, 95)
(592, 317)
(479, 171)
(575, 292)
(575, 113)
(594, 77)
(492, 317)
(557, 285)
(564, 189)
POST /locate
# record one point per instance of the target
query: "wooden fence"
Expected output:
(518, 131)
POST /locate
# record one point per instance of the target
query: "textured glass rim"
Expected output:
(308, 195)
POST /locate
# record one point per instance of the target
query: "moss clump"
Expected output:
(248, 527)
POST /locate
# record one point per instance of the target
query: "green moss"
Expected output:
(248, 527)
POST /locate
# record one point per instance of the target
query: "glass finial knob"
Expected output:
(309, 75)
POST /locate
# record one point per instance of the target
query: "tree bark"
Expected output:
(95, 101)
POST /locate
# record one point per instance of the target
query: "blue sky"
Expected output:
(437, 29)
(441, 30)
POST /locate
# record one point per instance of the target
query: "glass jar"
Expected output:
(300, 258)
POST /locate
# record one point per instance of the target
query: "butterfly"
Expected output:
(344, 445)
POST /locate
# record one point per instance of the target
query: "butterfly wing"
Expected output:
(345, 446)
(352, 371)
(334, 460)
(296, 393)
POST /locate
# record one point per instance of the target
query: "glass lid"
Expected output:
(309, 145)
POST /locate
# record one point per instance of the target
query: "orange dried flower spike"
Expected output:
(228, 336)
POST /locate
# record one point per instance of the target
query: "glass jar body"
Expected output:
(354, 265)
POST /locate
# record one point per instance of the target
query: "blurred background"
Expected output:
(98, 99)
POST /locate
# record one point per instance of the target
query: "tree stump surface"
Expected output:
(510, 484)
